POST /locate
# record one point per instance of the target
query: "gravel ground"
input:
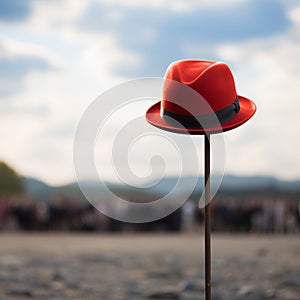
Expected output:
(74, 266)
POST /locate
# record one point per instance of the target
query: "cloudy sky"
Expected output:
(57, 56)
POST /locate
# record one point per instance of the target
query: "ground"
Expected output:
(160, 266)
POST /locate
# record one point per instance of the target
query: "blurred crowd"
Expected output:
(278, 215)
(61, 214)
(264, 214)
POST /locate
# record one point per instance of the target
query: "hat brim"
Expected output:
(247, 110)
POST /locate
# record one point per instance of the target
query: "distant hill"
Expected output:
(230, 185)
(259, 184)
(41, 190)
(37, 188)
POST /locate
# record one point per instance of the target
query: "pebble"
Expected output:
(122, 277)
(245, 290)
(193, 285)
(57, 276)
(164, 295)
(21, 292)
(217, 294)
(288, 295)
(165, 274)
(291, 280)
(262, 252)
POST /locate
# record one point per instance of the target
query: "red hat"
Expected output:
(199, 97)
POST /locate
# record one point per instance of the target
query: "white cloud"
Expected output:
(98, 58)
(294, 15)
(268, 72)
(12, 48)
(81, 71)
(56, 16)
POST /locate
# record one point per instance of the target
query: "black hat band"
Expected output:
(202, 121)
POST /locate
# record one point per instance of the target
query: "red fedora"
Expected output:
(199, 97)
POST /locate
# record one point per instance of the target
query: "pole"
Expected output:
(207, 218)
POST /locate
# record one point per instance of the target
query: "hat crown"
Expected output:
(213, 81)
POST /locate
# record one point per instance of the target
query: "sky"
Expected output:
(57, 56)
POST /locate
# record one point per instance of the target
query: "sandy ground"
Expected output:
(164, 266)
(281, 250)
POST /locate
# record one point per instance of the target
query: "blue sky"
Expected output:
(148, 31)
(56, 57)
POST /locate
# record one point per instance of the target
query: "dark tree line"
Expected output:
(10, 181)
